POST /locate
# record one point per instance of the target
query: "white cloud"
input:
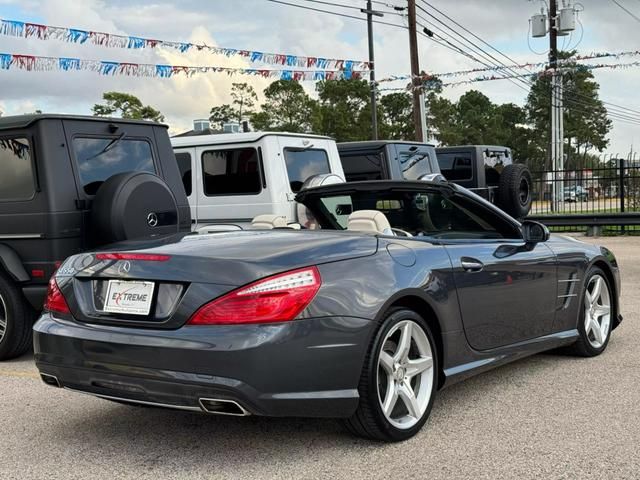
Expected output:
(266, 26)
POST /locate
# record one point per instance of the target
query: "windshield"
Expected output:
(420, 213)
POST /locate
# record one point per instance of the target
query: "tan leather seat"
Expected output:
(371, 221)
(268, 222)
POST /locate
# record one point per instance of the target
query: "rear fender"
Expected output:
(12, 264)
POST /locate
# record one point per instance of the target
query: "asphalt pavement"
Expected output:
(549, 416)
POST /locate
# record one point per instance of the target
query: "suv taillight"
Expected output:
(55, 301)
(279, 298)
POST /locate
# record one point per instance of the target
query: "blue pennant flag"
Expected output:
(78, 36)
(322, 63)
(348, 74)
(69, 64)
(348, 65)
(164, 71)
(257, 56)
(184, 47)
(136, 42)
(292, 60)
(5, 61)
(12, 27)
(286, 75)
(109, 68)
(319, 76)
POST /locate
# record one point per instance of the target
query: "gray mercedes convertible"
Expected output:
(393, 291)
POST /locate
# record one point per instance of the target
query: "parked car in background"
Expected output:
(576, 193)
(68, 184)
(230, 179)
(387, 160)
(407, 288)
(488, 171)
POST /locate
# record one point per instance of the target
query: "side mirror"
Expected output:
(534, 232)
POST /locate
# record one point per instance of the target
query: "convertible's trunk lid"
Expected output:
(163, 283)
(230, 258)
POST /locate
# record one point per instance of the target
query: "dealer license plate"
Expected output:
(129, 297)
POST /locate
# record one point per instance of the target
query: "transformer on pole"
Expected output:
(556, 23)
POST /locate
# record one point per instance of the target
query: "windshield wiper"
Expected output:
(108, 146)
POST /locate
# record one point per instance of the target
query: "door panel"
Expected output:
(507, 292)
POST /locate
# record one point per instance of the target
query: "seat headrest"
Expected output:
(269, 221)
(369, 221)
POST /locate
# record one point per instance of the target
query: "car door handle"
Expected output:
(471, 264)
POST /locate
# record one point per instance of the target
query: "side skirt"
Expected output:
(489, 359)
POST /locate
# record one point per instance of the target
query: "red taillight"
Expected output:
(274, 299)
(149, 257)
(55, 301)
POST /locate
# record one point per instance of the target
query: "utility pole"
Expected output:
(553, 65)
(372, 72)
(419, 118)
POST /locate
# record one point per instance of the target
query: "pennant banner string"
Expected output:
(496, 68)
(430, 81)
(10, 61)
(17, 28)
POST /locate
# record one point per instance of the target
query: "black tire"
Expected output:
(583, 346)
(124, 204)
(515, 190)
(18, 317)
(369, 421)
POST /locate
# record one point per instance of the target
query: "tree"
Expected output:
(585, 119)
(222, 114)
(396, 119)
(126, 106)
(244, 99)
(287, 108)
(344, 110)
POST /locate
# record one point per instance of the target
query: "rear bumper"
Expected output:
(308, 368)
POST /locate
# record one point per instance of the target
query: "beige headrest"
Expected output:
(369, 221)
(269, 221)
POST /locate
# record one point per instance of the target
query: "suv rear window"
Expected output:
(456, 166)
(231, 172)
(302, 164)
(16, 180)
(101, 158)
(363, 166)
(414, 162)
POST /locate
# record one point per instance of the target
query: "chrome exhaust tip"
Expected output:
(50, 380)
(220, 406)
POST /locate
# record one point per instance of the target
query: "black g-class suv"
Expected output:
(70, 183)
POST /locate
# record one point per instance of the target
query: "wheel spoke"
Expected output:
(402, 353)
(417, 366)
(3, 324)
(597, 331)
(390, 399)
(601, 310)
(405, 392)
(386, 361)
(597, 289)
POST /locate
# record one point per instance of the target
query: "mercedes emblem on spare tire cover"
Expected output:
(152, 219)
(133, 205)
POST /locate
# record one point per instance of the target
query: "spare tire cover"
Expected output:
(133, 205)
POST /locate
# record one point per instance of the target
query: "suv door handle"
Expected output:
(471, 264)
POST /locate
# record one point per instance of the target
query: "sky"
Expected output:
(271, 27)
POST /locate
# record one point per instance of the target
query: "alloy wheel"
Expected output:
(597, 311)
(3, 318)
(405, 374)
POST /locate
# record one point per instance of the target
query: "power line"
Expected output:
(629, 12)
(334, 13)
